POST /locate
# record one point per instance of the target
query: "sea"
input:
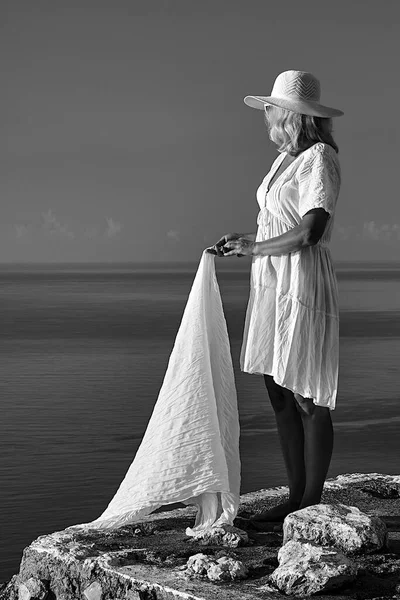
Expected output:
(83, 353)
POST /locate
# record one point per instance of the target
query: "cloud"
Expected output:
(48, 223)
(384, 232)
(172, 234)
(368, 231)
(21, 230)
(113, 227)
(51, 224)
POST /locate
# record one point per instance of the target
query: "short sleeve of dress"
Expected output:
(319, 180)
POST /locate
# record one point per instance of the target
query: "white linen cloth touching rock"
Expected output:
(190, 450)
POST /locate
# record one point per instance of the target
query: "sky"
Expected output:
(125, 136)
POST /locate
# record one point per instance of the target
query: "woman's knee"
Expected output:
(305, 406)
(279, 397)
(274, 393)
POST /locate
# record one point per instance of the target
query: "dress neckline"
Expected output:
(284, 154)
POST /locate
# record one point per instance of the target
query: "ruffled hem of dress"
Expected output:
(306, 394)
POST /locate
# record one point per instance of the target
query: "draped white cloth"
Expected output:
(190, 450)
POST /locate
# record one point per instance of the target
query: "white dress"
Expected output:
(292, 322)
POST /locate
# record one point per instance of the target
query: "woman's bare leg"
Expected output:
(318, 446)
(290, 429)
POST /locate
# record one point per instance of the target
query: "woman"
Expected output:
(292, 328)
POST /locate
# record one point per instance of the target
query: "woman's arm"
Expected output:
(307, 233)
(292, 241)
(249, 236)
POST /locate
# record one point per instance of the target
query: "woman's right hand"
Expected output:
(218, 247)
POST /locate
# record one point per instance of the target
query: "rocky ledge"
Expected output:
(347, 547)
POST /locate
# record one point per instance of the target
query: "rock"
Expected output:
(9, 590)
(341, 526)
(198, 564)
(222, 569)
(144, 529)
(225, 535)
(227, 569)
(271, 589)
(306, 569)
(32, 589)
(93, 592)
(382, 488)
(385, 598)
(379, 564)
(217, 573)
(133, 562)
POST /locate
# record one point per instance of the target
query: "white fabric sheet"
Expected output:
(190, 450)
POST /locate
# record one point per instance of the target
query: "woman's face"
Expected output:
(272, 116)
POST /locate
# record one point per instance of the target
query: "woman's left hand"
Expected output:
(239, 247)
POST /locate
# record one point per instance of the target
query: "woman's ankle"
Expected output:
(309, 501)
(296, 494)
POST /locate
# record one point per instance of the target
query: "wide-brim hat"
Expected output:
(297, 91)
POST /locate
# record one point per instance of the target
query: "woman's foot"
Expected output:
(265, 526)
(277, 513)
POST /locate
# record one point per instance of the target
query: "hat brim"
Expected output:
(311, 108)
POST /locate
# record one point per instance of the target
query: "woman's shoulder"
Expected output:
(320, 161)
(318, 156)
(321, 149)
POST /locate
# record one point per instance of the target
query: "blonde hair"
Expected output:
(295, 132)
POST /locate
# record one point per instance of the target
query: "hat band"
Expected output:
(294, 98)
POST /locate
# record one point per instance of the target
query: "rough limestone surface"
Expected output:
(148, 560)
(198, 564)
(225, 535)
(343, 527)
(227, 569)
(382, 488)
(224, 568)
(32, 589)
(93, 592)
(306, 569)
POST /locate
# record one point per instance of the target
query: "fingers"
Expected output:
(230, 249)
(223, 247)
(219, 252)
(214, 250)
(220, 242)
(233, 249)
(229, 246)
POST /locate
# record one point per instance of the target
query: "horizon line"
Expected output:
(175, 262)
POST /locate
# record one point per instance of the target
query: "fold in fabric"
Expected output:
(190, 450)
